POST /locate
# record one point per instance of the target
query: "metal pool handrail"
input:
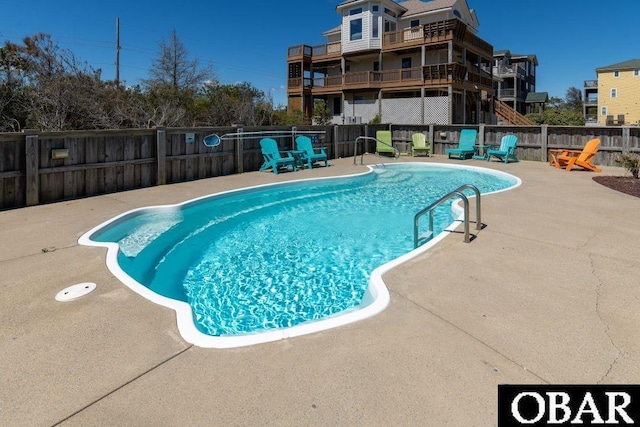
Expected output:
(358, 139)
(432, 206)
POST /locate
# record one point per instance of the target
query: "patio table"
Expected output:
(481, 152)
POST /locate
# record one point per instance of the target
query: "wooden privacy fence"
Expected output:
(47, 167)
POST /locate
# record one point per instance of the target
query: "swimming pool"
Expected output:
(277, 261)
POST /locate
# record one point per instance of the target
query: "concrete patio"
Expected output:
(547, 293)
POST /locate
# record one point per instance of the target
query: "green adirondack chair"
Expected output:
(420, 144)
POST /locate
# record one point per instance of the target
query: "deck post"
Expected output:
(32, 165)
(161, 155)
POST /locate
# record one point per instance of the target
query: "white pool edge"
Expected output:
(375, 300)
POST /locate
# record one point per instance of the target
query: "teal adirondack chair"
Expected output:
(466, 144)
(272, 157)
(506, 150)
(310, 156)
(384, 144)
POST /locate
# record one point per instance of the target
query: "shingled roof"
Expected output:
(415, 7)
(537, 97)
(631, 64)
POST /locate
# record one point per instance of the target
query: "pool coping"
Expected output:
(375, 299)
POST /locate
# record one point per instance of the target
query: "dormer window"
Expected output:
(355, 11)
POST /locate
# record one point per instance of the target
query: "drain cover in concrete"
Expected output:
(75, 291)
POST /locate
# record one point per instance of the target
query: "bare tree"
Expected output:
(173, 67)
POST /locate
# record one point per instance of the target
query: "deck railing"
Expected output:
(428, 75)
(326, 51)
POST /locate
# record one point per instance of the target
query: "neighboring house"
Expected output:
(515, 79)
(612, 99)
(411, 62)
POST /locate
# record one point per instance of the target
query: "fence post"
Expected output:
(32, 165)
(161, 155)
(240, 151)
(335, 141)
(481, 136)
(432, 139)
(544, 142)
(626, 139)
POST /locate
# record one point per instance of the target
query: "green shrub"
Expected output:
(376, 120)
(631, 163)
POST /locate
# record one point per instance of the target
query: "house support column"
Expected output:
(422, 105)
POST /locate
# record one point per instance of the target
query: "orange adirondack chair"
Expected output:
(571, 158)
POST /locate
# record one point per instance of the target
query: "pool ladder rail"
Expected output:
(396, 152)
(458, 192)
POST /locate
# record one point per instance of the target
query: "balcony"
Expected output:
(299, 52)
(506, 93)
(326, 85)
(591, 84)
(512, 71)
(591, 101)
(437, 75)
(326, 51)
(434, 33)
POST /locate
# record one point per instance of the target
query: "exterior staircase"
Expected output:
(507, 114)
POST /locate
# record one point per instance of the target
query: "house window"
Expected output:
(616, 73)
(337, 106)
(603, 111)
(389, 26)
(376, 66)
(406, 62)
(375, 24)
(614, 93)
(415, 23)
(356, 11)
(355, 29)
(636, 72)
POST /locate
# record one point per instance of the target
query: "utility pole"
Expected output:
(117, 51)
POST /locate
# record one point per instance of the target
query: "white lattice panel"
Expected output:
(367, 109)
(402, 111)
(436, 110)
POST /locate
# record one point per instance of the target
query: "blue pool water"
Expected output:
(274, 257)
